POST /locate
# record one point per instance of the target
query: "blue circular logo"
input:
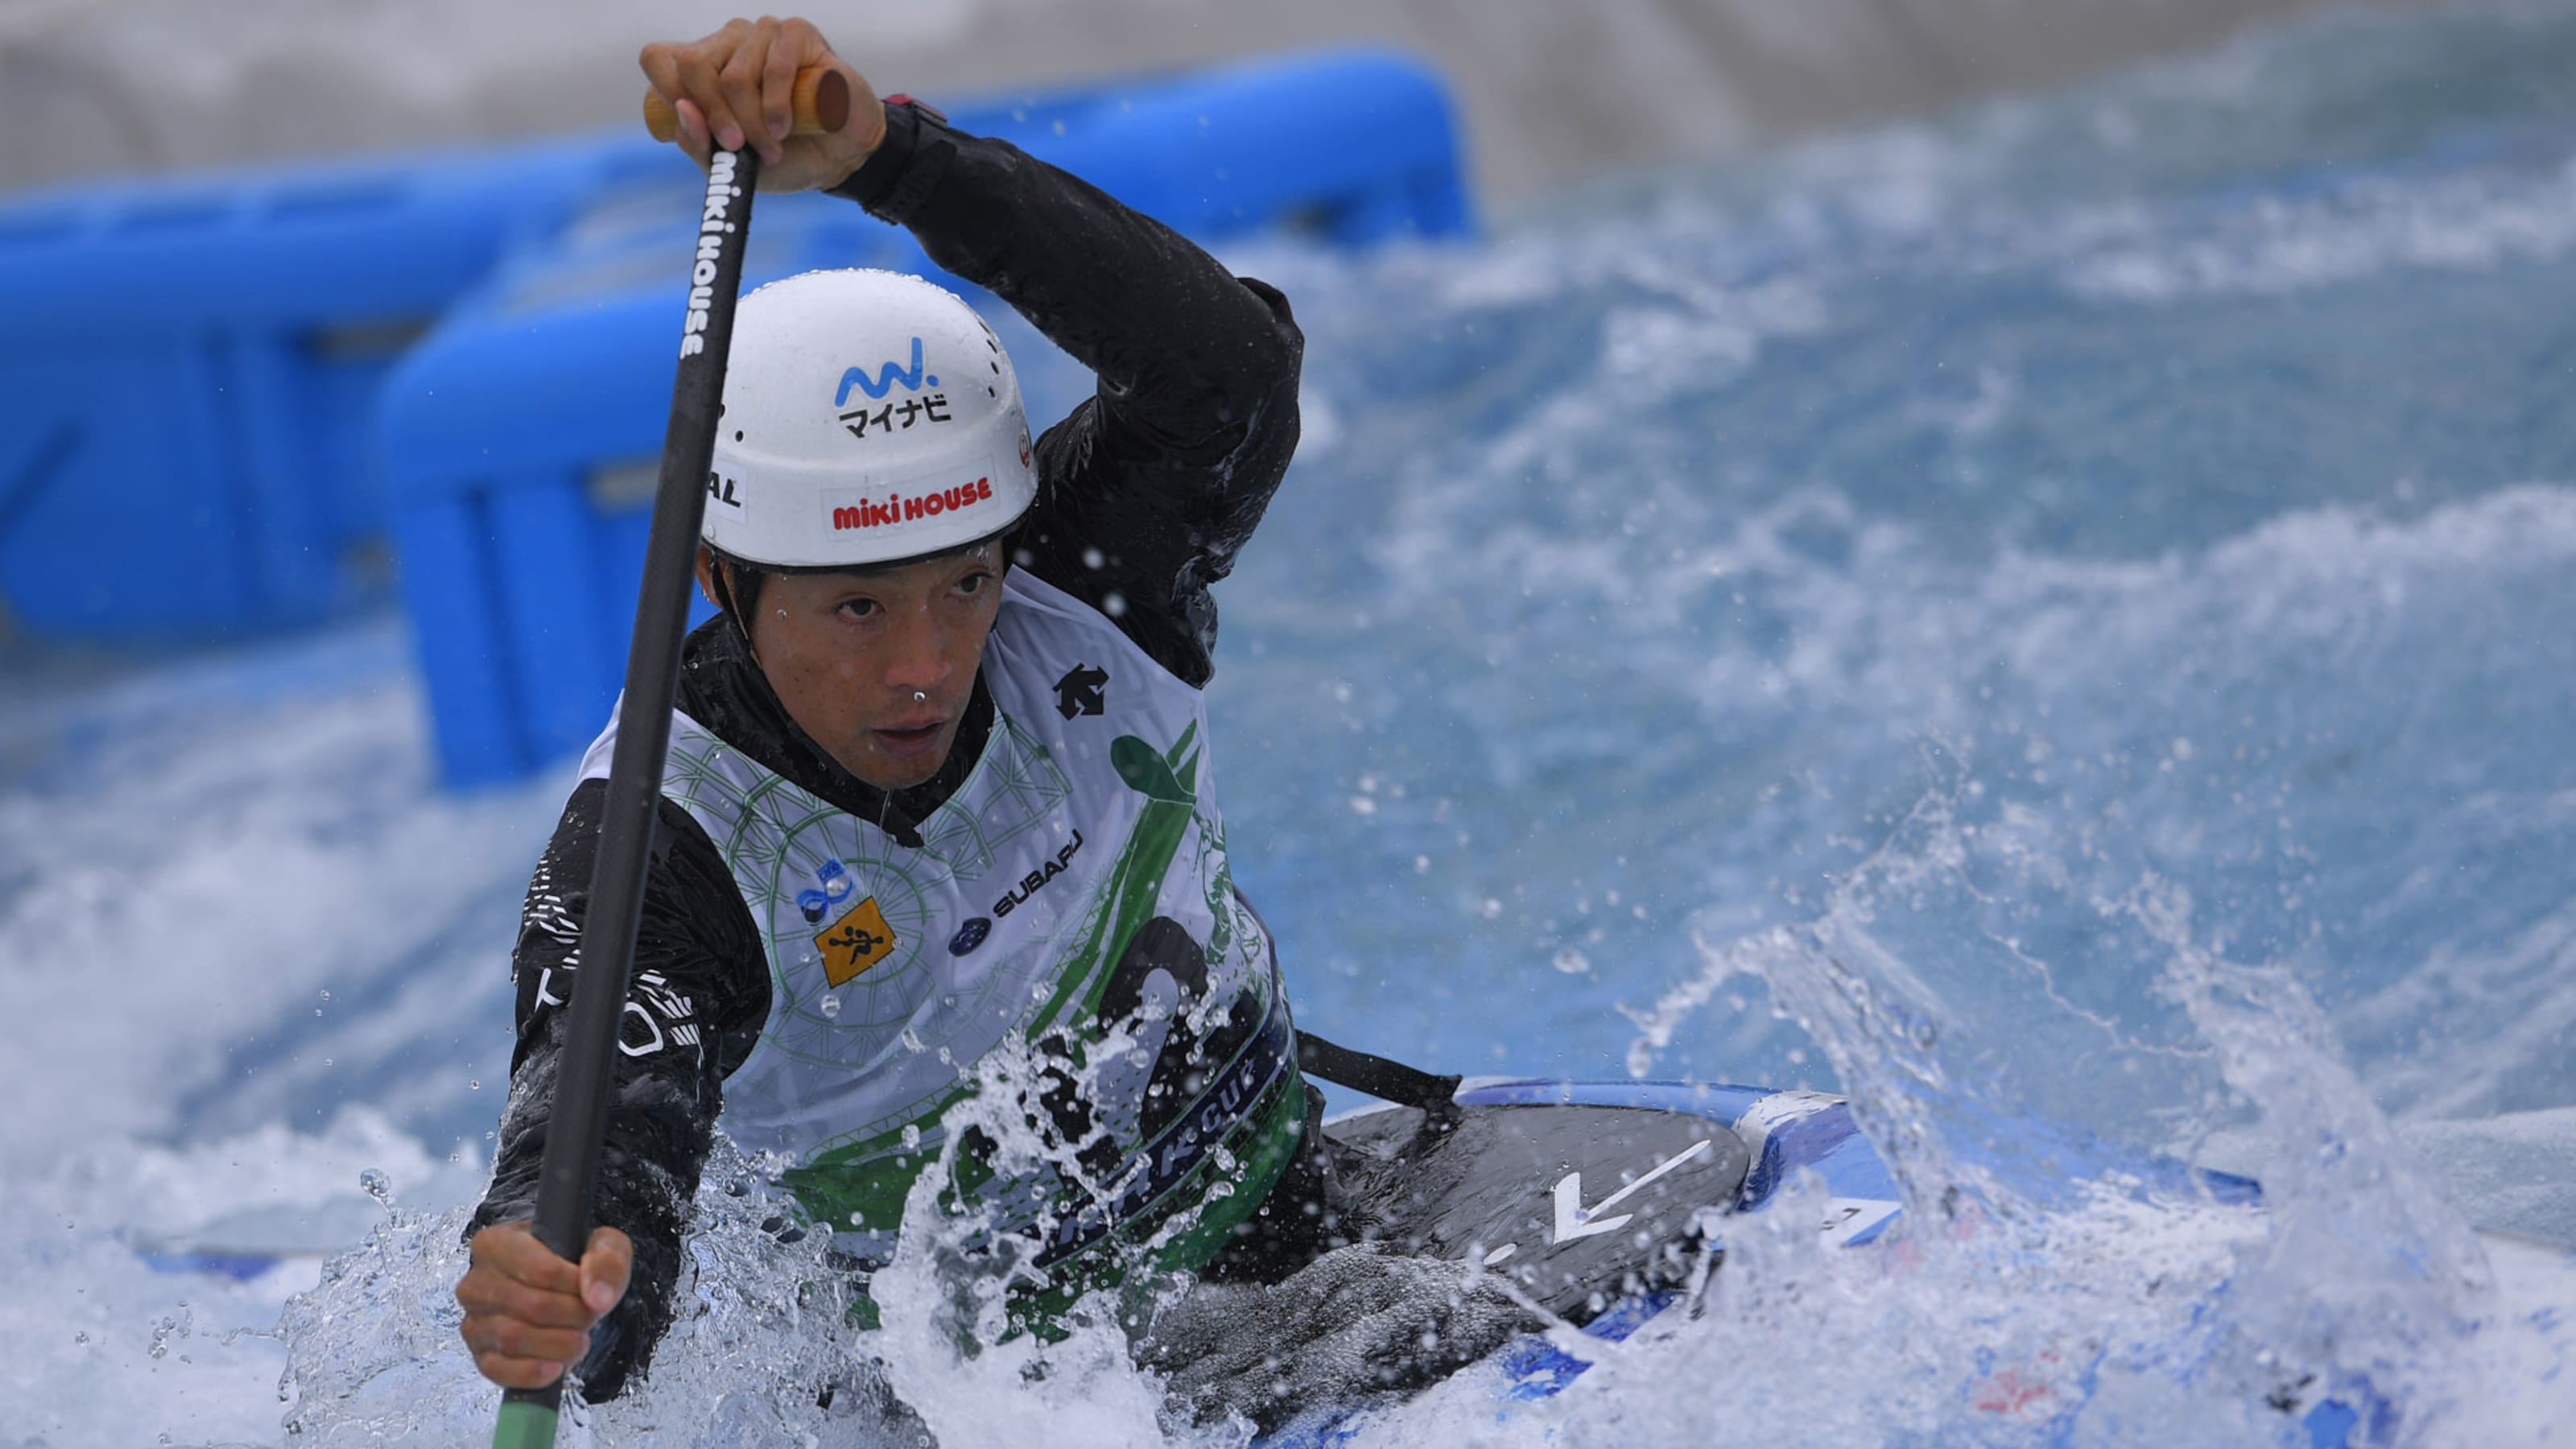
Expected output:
(969, 936)
(813, 903)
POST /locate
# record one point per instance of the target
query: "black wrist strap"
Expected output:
(1387, 1080)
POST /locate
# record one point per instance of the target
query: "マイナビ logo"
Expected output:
(887, 376)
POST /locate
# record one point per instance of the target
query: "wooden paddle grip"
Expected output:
(821, 103)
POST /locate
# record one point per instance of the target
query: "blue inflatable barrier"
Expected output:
(1353, 146)
(196, 363)
(521, 439)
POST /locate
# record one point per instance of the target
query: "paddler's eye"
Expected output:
(974, 583)
(862, 608)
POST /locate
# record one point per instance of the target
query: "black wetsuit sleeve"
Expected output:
(699, 996)
(1147, 490)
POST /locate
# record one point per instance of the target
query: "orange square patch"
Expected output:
(857, 941)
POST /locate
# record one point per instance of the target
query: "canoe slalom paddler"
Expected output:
(940, 782)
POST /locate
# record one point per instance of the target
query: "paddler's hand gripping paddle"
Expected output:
(818, 104)
(579, 1120)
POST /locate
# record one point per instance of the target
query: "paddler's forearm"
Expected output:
(701, 985)
(1184, 350)
(657, 1143)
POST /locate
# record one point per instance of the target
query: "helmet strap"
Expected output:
(730, 601)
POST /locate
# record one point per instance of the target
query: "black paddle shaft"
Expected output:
(578, 1123)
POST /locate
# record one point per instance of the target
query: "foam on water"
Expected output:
(2046, 624)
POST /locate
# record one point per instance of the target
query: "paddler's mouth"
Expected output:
(906, 741)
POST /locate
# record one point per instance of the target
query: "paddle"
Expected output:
(579, 1119)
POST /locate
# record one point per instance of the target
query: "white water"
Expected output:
(2050, 625)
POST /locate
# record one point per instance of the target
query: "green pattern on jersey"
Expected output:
(867, 1181)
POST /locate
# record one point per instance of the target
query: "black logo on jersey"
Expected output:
(858, 941)
(1036, 880)
(970, 935)
(1079, 691)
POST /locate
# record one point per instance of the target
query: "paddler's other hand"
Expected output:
(527, 1312)
(735, 85)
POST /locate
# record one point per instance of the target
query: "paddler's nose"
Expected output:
(916, 655)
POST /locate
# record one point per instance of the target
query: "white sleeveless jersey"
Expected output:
(893, 970)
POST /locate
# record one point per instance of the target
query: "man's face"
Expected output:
(878, 666)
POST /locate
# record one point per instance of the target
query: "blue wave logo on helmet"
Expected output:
(887, 376)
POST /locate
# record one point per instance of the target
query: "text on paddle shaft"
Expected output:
(714, 223)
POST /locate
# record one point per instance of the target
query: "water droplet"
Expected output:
(326, 994)
(377, 1186)
(911, 1137)
(1572, 962)
(911, 1041)
(1490, 909)
(81, 1337)
(474, 1084)
(830, 1006)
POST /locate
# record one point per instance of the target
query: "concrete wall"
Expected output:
(1551, 88)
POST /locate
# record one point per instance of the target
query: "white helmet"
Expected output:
(868, 417)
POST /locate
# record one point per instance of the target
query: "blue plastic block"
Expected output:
(1353, 146)
(198, 364)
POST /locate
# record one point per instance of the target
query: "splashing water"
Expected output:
(2042, 623)
(374, 1355)
(2054, 1284)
